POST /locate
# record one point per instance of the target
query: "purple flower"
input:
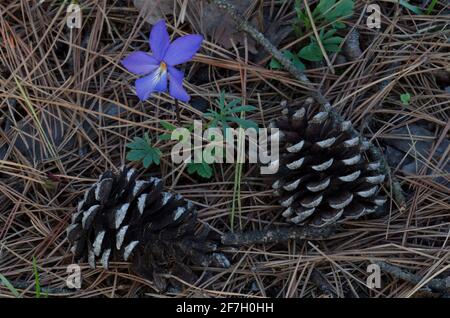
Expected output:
(160, 67)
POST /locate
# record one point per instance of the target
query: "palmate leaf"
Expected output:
(142, 150)
(202, 169)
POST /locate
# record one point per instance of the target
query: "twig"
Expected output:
(243, 25)
(276, 235)
(437, 285)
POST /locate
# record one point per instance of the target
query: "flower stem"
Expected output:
(177, 111)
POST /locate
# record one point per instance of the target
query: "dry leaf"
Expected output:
(154, 10)
(218, 24)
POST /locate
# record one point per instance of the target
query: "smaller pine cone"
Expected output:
(121, 218)
(325, 175)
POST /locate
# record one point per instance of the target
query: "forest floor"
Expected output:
(68, 110)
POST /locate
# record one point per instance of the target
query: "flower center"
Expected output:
(163, 67)
(159, 72)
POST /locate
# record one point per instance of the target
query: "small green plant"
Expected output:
(327, 11)
(37, 284)
(328, 17)
(331, 44)
(202, 169)
(431, 7)
(227, 113)
(405, 98)
(142, 150)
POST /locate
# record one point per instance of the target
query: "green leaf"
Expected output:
(301, 15)
(205, 170)
(405, 98)
(244, 123)
(191, 168)
(165, 137)
(332, 40)
(138, 143)
(245, 108)
(332, 48)
(339, 25)
(291, 57)
(147, 161)
(8, 285)
(297, 63)
(142, 150)
(168, 125)
(224, 116)
(328, 34)
(234, 103)
(136, 155)
(202, 169)
(323, 7)
(431, 7)
(343, 9)
(410, 7)
(157, 157)
(311, 52)
(274, 64)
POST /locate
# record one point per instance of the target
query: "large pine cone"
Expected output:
(121, 218)
(325, 174)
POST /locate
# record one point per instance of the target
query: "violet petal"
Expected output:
(140, 63)
(183, 49)
(146, 85)
(176, 89)
(159, 40)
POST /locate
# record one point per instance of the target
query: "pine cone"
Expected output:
(325, 175)
(121, 218)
